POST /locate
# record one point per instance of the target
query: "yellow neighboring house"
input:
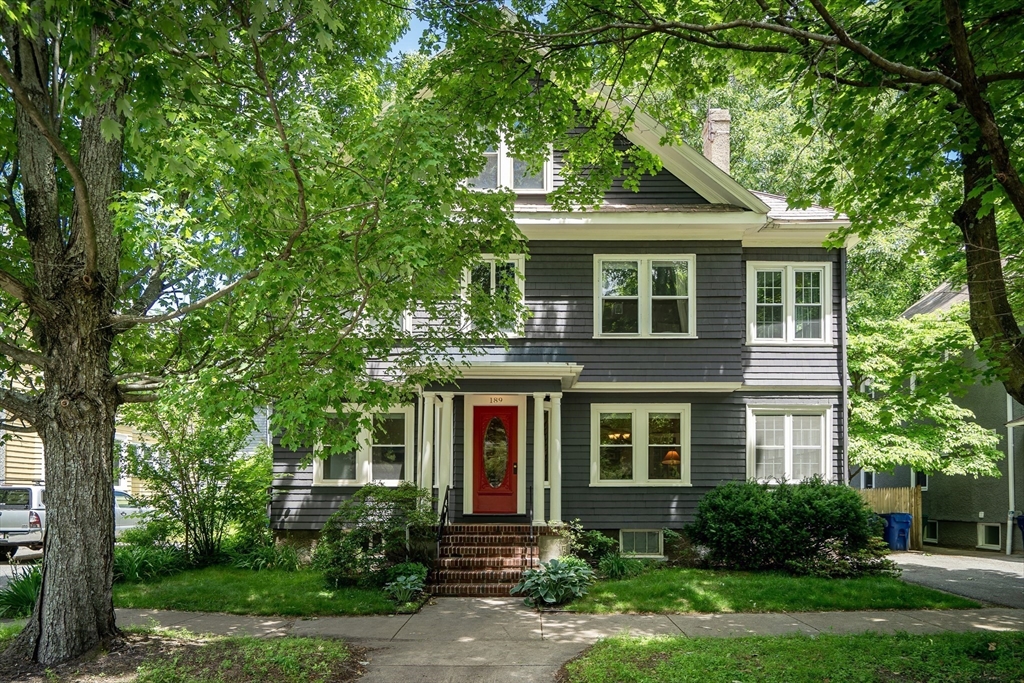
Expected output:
(22, 459)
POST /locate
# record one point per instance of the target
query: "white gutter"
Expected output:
(1010, 424)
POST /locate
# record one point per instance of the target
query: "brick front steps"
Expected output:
(482, 559)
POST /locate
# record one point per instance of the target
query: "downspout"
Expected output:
(844, 375)
(1010, 474)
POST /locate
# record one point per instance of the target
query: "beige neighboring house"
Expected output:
(22, 459)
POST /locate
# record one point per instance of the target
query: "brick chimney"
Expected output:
(716, 137)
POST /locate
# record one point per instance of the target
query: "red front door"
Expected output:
(495, 460)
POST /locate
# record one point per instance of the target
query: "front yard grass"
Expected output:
(264, 593)
(899, 658)
(671, 590)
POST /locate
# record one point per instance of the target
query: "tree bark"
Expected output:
(992, 320)
(75, 413)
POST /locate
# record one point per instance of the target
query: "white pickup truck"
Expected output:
(23, 517)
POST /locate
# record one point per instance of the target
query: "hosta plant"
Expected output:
(554, 582)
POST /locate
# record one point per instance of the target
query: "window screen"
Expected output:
(641, 542)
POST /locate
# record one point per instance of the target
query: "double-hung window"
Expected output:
(499, 278)
(383, 453)
(789, 303)
(503, 171)
(788, 444)
(640, 445)
(644, 296)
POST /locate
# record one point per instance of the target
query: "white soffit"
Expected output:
(566, 373)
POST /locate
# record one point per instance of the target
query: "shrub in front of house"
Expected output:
(555, 582)
(803, 528)
(375, 529)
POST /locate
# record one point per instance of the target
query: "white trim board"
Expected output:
(471, 401)
(657, 387)
(567, 373)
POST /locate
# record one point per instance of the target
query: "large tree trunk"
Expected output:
(992, 320)
(75, 414)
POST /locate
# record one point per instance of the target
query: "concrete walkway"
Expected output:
(992, 578)
(498, 639)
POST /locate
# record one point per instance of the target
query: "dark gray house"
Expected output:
(681, 336)
(961, 511)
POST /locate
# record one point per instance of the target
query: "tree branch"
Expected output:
(18, 429)
(23, 356)
(140, 398)
(15, 287)
(980, 109)
(81, 189)
(19, 405)
(123, 322)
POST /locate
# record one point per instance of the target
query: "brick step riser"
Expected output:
(486, 562)
(487, 539)
(456, 590)
(488, 551)
(519, 529)
(476, 576)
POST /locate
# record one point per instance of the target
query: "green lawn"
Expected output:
(698, 590)
(946, 657)
(242, 591)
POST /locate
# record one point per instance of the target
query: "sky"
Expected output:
(410, 41)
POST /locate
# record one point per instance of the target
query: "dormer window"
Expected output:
(502, 171)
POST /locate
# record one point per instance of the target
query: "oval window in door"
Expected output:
(495, 452)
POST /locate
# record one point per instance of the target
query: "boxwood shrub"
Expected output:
(786, 526)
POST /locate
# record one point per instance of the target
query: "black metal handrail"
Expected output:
(442, 518)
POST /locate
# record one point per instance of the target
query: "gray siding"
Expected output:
(717, 446)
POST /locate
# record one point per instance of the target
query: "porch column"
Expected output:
(444, 451)
(538, 458)
(555, 459)
(427, 457)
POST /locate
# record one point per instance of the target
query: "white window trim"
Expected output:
(981, 536)
(505, 175)
(639, 411)
(789, 411)
(924, 532)
(661, 543)
(644, 295)
(364, 454)
(519, 260)
(913, 479)
(789, 302)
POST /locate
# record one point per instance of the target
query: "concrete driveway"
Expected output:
(997, 579)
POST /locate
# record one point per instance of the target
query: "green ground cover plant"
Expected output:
(242, 591)
(672, 590)
(939, 658)
(18, 597)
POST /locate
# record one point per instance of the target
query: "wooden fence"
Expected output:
(899, 500)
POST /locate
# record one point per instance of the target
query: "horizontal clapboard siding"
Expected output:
(660, 188)
(717, 445)
(775, 365)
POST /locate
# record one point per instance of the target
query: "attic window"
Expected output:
(503, 171)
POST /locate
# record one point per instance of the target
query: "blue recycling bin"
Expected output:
(897, 530)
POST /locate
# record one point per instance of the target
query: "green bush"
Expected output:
(595, 545)
(18, 597)
(417, 569)
(375, 529)
(156, 531)
(680, 551)
(760, 526)
(555, 582)
(136, 563)
(836, 561)
(404, 588)
(615, 567)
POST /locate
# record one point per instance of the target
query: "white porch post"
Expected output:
(427, 457)
(555, 458)
(538, 458)
(444, 452)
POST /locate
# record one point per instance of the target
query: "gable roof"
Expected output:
(942, 298)
(684, 162)
(778, 210)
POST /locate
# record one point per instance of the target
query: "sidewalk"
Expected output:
(498, 639)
